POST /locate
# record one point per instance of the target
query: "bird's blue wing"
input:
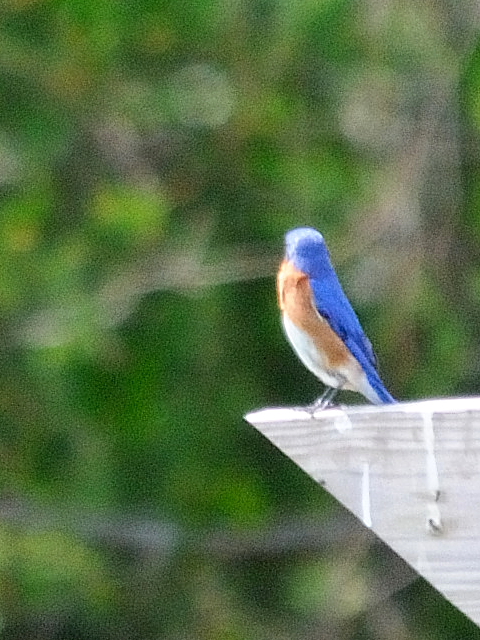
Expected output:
(332, 304)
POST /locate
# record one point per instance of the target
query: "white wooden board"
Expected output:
(410, 471)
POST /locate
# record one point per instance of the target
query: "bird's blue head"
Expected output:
(306, 248)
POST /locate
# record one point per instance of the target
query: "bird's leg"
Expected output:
(325, 400)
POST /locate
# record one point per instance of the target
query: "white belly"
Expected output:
(308, 353)
(350, 376)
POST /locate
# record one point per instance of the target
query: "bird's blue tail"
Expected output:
(377, 393)
(384, 397)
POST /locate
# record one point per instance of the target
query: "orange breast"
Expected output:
(295, 297)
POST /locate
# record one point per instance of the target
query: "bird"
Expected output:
(320, 323)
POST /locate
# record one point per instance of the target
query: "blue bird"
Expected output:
(320, 322)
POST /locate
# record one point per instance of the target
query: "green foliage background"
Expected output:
(152, 155)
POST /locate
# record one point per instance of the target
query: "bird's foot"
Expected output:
(324, 402)
(319, 406)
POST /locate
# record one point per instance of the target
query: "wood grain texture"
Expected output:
(410, 471)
